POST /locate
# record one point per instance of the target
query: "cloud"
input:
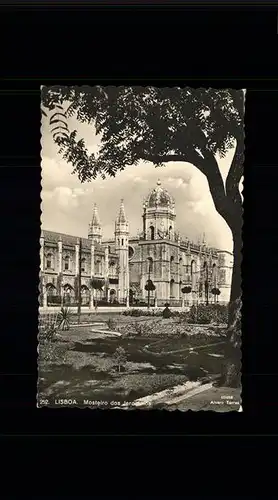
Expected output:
(67, 203)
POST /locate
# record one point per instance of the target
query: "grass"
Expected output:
(154, 363)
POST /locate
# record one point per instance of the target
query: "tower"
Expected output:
(121, 248)
(159, 215)
(94, 232)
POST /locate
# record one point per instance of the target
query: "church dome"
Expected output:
(159, 197)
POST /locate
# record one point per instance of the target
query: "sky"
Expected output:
(67, 203)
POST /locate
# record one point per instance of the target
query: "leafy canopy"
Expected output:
(147, 123)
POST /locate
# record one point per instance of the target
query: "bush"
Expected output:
(205, 314)
(112, 324)
(166, 312)
(47, 332)
(120, 357)
(64, 318)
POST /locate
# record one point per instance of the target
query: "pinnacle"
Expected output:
(121, 219)
(95, 218)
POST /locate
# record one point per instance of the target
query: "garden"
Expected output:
(151, 353)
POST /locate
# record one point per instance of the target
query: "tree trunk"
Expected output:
(236, 276)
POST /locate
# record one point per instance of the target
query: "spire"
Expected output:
(121, 219)
(95, 218)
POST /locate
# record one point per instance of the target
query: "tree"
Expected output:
(149, 287)
(120, 357)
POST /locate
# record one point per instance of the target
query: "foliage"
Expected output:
(150, 287)
(120, 357)
(142, 312)
(146, 123)
(215, 291)
(112, 324)
(49, 350)
(166, 312)
(47, 332)
(186, 289)
(63, 319)
(97, 284)
(208, 313)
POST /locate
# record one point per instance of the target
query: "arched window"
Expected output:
(170, 232)
(172, 285)
(122, 242)
(67, 263)
(150, 264)
(171, 264)
(49, 261)
(50, 289)
(83, 265)
(68, 294)
(214, 275)
(98, 266)
(152, 232)
(85, 295)
(193, 275)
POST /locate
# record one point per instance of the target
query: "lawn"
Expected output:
(159, 355)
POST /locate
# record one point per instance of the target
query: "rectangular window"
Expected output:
(122, 241)
(48, 264)
(66, 266)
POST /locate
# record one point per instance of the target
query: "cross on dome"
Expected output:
(159, 197)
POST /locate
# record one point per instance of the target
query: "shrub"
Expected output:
(140, 312)
(64, 319)
(120, 357)
(211, 313)
(47, 332)
(112, 324)
(166, 312)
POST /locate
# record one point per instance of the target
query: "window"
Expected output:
(122, 241)
(49, 261)
(98, 266)
(67, 263)
(172, 288)
(83, 265)
(193, 275)
(150, 264)
(130, 252)
(152, 232)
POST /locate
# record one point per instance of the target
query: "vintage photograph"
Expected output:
(141, 248)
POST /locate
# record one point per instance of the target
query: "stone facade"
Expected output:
(124, 264)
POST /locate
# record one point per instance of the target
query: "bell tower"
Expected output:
(159, 214)
(95, 232)
(121, 248)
